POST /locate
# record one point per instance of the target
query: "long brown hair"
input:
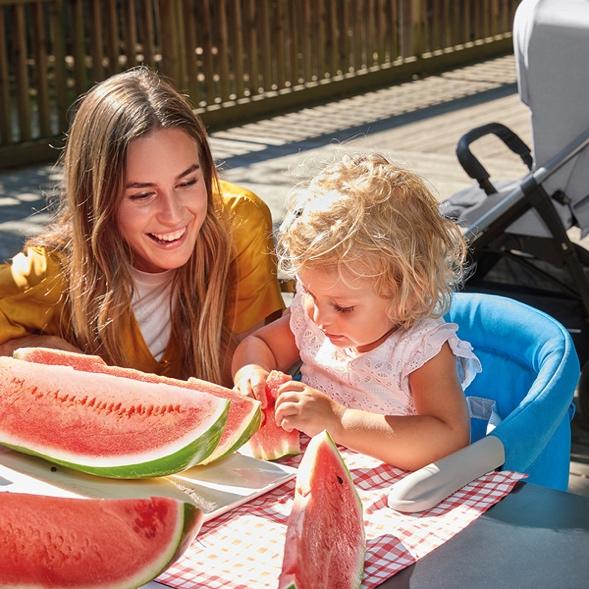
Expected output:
(96, 258)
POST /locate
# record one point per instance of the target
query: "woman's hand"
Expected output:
(304, 408)
(250, 380)
(37, 341)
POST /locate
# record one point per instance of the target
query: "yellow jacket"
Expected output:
(32, 285)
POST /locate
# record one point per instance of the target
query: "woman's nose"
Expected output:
(170, 210)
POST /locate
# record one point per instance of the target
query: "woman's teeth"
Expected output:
(168, 237)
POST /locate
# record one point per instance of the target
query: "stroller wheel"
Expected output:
(583, 396)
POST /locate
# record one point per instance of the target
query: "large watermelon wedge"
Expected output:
(91, 543)
(271, 442)
(325, 542)
(243, 417)
(103, 424)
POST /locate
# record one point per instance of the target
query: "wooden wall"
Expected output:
(238, 59)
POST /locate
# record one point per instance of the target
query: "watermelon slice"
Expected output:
(243, 420)
(243, 417)
(74, 543)
(271, 442)
(59, 358)
(325, 541)
(103, 424)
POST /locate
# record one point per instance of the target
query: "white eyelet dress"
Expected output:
(377, 380)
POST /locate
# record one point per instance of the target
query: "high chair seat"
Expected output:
(523, 401)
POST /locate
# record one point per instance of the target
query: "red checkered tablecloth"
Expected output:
(243, 548)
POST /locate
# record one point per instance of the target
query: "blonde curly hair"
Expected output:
(381, 222)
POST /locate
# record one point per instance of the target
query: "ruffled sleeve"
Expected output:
(425, 340)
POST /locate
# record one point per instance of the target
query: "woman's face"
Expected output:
(164, 200)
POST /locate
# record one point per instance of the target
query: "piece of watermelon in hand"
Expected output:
(271, 442)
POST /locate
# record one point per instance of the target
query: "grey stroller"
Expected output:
(517, 231)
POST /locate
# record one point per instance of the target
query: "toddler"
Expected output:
(375, 264)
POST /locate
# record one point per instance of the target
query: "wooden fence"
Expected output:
(238, 59)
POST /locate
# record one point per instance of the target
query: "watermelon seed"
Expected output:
(339, 479)
(53, 468)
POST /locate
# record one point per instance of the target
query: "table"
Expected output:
(534, 538)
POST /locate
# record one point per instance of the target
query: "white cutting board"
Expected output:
(216, 488)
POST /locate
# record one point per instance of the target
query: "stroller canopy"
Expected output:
(551, 44)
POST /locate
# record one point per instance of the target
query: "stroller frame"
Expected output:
(518, 234)
(489, 242)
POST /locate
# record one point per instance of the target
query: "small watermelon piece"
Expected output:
(86, 543)
(243, 417)
(271, 442)
(325, 539)
(103, 424)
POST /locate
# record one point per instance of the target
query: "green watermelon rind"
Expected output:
(182, 459)
(190, 516)
(247, 433)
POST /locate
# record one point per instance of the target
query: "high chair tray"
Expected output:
(216, 488)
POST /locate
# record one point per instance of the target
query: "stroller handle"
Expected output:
(473, 167)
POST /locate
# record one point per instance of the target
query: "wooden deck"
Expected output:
(418, 124)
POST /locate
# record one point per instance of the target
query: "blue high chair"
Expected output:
(521, 404)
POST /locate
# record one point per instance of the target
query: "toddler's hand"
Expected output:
(301, 407)
(250, 380)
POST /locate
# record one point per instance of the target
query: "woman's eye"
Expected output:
(140, 196)
(343, 309)
(187, 183)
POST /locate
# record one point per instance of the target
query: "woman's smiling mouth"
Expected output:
(168, 238)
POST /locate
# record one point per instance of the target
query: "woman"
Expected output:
(152, 263)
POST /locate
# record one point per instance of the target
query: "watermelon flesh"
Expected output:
(243, 420)
(105, 425)
(58, 357)
(103, 543)
(243, 417)
(325, 540)
(271, 442)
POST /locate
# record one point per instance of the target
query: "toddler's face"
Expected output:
(346, 308)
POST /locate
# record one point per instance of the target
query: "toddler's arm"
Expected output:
(271, 347)
(440, 427)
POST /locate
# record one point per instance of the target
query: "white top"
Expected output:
(377, 380)
(151, 307)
